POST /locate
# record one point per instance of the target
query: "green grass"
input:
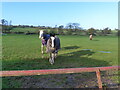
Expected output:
(26, 29)
(22, 52)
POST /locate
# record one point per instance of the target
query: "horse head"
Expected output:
(41, 32)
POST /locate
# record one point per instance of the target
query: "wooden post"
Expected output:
(99, 79)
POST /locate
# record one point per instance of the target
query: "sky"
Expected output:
(98, 15)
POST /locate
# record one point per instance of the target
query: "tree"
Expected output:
(5, 26)
(60, 29)
(4, 22)
(106, 31)
(91, 30)
(75, 26)
(69, 26)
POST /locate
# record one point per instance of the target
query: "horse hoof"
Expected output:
(51, 63)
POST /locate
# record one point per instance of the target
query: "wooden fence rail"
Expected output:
(60, 71)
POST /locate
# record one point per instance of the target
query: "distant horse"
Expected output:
(52, 43)
(90, 37)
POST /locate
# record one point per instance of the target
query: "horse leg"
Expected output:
(51, 59)
(56, 53)
(42, 48)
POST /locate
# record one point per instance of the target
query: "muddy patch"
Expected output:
(81, 80)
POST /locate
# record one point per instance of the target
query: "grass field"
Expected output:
(22, 52)
(24, 29)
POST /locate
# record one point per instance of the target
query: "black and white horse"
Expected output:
(52, 44)
(44, 38)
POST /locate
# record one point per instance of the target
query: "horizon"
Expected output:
(98, 15)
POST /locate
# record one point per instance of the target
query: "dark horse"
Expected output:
(52, 44)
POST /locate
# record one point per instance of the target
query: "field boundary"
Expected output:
(60, 71)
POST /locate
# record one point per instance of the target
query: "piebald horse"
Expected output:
(52, 44)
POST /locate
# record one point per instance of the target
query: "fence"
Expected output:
(60, 71)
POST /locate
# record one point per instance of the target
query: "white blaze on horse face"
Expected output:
(40, 33)
(53, 38)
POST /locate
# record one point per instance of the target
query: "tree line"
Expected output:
(69, 29)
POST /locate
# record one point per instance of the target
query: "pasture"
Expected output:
(22, 52)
